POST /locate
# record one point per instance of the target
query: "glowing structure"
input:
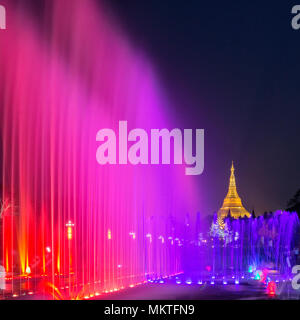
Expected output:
(70, 227)
(232, 204)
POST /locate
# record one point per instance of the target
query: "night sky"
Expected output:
(232, 68)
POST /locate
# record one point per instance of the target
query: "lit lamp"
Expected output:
(28, 270)
(149, 236)
(132, 234)
(70, 227)
(162, 239)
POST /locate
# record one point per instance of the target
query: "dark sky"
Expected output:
(232, 68)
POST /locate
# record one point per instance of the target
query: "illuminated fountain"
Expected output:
(246, 251)
(75, 228)
(241, 247)
(262, 243)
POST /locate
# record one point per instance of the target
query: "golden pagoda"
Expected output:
(232, 203)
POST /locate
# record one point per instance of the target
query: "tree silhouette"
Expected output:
(294, 203)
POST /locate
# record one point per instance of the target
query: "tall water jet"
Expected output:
(83, 227)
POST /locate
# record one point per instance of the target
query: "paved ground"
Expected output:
(187, 288)
(188, 292)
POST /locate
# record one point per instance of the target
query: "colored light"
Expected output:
(149, 236)
(132, 234)
(69, 226)
(257, 276)
(162, 239)
(271, 288)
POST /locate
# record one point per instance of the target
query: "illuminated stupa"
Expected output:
(232, 204)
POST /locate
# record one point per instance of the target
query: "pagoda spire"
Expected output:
(232, 177)
(232, 202)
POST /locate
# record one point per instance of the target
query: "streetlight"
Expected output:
(70, 227)
(162, 239)
(132, 234)
(149, 236)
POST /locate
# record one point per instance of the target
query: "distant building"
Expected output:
(232, 205)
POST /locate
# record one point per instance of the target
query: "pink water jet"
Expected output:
(72, 220)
